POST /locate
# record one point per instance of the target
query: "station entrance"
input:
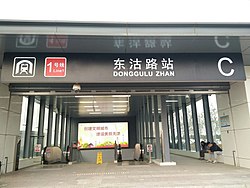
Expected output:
(86, 116)
(161, 83)
(143, 90)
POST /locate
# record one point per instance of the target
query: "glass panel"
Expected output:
(214, 119)
(45, 129)
(23, 124)
(160, 132)
(175, 130)
(153, 117)
(169, 131)
(64, 132)
(182, 130)
(59, 129)
(53, 129)
(201, 120)
(191, 127)
(33, 142)
(35, 124)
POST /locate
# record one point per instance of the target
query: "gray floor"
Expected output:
(188, 173)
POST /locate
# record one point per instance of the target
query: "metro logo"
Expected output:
(55, 67)
(24, 67)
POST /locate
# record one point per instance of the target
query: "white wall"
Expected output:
(9, 126)
(236, 137)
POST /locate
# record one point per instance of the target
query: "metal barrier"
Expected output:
(0, 167)
(6, 164)
(234, 158)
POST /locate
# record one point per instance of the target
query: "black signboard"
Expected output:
(122, 68)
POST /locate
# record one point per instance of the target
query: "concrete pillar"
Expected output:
(67, 132)
(146, 120)
(57, 129)
(150, 119)
(165, 133)
(29, 120)
(178, 127)
(41, 122)
(195, 123)
(137, 127)
(142, 124)
(185, 122)
(62, 137)
(157, 131)
(172, 129)
(50, 124)
(207, 117)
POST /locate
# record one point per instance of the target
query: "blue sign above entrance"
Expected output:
(122, 68)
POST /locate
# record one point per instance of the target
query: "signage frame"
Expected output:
(103, 68)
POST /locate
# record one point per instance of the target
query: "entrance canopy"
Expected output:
(50, 58)
(59, 37)
(188, 55)
(193, 46)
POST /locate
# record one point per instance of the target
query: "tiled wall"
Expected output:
(236, 137)
(9, 126)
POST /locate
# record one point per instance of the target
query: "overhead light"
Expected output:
(120, 106)
(67, 102)
(179, 95)
(119, 112)
(90, 110)
(121, 96)
(95, 113)
(81, 106)
(4, 97)
(87, 102)
(119, 101)
(95, 106)
(101, 96)
(120, 109)
(84, 96)
(93, 110)
(171, 100)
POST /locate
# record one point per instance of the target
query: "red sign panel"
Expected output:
(55, 67)
(57, 41)
(37, 148)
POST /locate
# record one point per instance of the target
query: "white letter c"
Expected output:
(220, 69)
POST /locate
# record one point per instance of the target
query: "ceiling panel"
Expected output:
(98, 105)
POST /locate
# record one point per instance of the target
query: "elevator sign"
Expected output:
(55, 67)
